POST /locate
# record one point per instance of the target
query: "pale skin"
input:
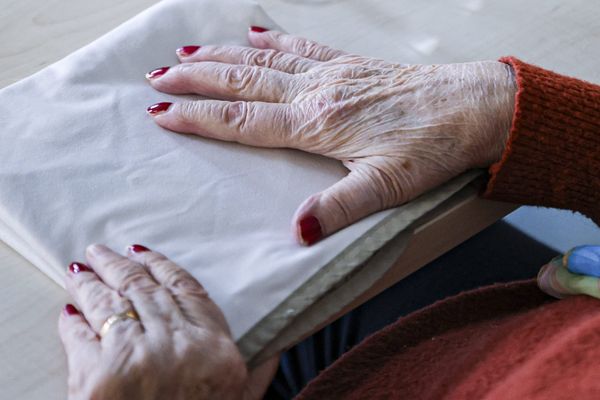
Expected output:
(399, 129)
(180, 348)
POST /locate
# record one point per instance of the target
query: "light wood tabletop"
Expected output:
(558, 35)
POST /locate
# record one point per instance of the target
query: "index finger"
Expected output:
(252, 123)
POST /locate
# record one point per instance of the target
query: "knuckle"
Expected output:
(136, 279)
(164, 266)
(304, 47)
(239, 78)
(329, 53)
(153, 257)
(77, 283)
(129, 275)
(273, 58)
(250, 56)
(95, 295)
(86, 289)
(262, 58)
(183, 283)
(236, 115)
(118, 264)
(97, 300)
(308, 48)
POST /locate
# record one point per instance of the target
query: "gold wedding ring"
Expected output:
(113, 319)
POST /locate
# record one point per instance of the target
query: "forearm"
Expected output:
(552, 157)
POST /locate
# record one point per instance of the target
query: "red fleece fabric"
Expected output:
(507, 341)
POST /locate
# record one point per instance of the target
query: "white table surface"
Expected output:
(559, 35)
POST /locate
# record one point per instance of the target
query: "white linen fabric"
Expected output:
(82, 163)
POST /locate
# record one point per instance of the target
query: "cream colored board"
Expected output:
(33, 33)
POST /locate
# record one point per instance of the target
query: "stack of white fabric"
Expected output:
(82, 163)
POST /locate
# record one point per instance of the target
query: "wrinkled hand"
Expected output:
(399, 129)
(180, 348)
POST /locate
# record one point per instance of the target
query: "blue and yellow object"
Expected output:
(576, 272)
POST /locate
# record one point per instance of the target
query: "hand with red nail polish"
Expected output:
(400, 130)
(165, 338)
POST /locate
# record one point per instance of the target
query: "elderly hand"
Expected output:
(180, 348)
(399, 129)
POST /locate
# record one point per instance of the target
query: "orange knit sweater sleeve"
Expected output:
(552, 157)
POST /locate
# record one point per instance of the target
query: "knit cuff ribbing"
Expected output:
(552, 156)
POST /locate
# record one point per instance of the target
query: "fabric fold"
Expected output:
(82, 163)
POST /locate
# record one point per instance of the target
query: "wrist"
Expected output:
(499, 111)
(507, 114)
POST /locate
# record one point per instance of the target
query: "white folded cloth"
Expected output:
(81, 163)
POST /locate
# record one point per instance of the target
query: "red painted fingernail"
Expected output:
(187, 50)
(70, 310)
(138, 248)
(157, 72)
(77, 267)
(258, 29)
(158, 108)
(310, 230)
